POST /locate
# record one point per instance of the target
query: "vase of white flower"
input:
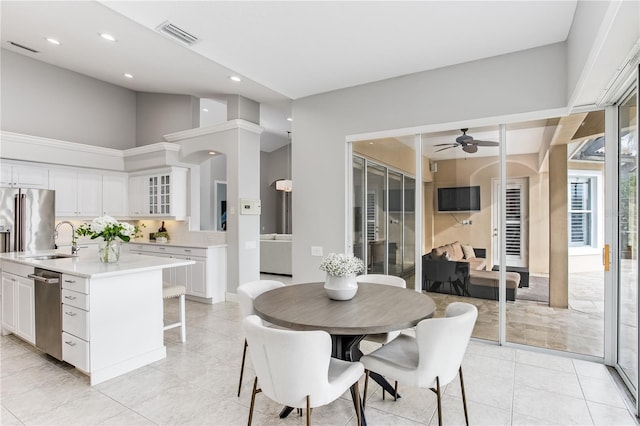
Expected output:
(109, 251)
(341, 270)
(112, 233)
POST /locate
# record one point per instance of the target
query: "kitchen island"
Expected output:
(112, 314)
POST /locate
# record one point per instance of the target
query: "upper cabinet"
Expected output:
(21, 176)
(78, 193)
(159, 193)
(88, 193)
(115, 190)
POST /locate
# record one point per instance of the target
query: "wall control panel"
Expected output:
(249, 206)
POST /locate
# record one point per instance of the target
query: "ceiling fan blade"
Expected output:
(470, 148)
(464, 139)
(446, 144)
(442, 149)
(485, 143)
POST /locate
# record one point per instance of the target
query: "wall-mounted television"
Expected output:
(459, 199)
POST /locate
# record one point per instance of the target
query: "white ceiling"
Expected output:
(282, 50)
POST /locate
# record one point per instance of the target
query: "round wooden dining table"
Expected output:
(376, 308)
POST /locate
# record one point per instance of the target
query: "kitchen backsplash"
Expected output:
(178, 231)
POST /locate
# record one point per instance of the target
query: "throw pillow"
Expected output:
(468, 252)
(446, 256)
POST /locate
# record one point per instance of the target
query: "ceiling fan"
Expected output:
(467, 142)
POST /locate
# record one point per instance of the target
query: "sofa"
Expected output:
(275, 254)
(459, 269)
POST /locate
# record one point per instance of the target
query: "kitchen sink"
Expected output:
(48, 256)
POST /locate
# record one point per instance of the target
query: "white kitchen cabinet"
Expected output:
(115, 195)
(23, 176)
(26, 315)
(8, 302)
(205, 280)
(197, 279)
(161, 193)
(75, 321)
(138, 196)
(78, 194)
(18, 306)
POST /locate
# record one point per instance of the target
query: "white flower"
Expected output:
(108, 228)
(127, 229)
(99, 224)
(341, 265)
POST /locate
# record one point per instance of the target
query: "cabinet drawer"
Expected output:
(179, 251)
(75, 351)
(139, 247)
(75, 283)
(189, 251)
(17, 268)
(74, 298)
(75, 321)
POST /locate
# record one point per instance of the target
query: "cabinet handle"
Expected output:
(162, 248)
(70, 281)
(187, 251)
(70, 297)
(71, 314)
(70, 342)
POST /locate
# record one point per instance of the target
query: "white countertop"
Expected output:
(177, 243)
(88, 265)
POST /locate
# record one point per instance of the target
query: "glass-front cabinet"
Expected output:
(160, 193)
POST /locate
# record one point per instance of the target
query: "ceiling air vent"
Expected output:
(23, 47)
(177, 33)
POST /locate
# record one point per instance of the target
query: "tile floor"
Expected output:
(196, 384)
(578, 329)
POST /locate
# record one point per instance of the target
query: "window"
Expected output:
(582, 195)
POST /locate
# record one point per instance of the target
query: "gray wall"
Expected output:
(159, 114)
(518, 83)
(44, 100)
(273, 166)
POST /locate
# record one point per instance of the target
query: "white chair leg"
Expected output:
(183, 324)
(170, 292)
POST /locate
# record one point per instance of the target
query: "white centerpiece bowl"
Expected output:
(341, 288)
(341, 270)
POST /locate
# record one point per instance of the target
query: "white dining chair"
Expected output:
(382, 338)
(247, 292)
(432, 358)
(295, 368)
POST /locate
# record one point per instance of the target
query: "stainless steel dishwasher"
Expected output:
(48, 310)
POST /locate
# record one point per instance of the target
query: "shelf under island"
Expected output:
(112, 313)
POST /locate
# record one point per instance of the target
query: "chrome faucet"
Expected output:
(74, 246)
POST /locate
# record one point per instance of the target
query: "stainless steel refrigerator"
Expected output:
(27, 219)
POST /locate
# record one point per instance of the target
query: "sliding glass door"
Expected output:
(383, 218)
(627, 359)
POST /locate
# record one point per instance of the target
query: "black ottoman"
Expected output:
(524, 273)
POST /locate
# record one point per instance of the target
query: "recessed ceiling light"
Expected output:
(205, 110)
(127, 75)
(370, 143)
(53, 41)
(235, 78)
(107, 36)
(212, 153)
(289, 119)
